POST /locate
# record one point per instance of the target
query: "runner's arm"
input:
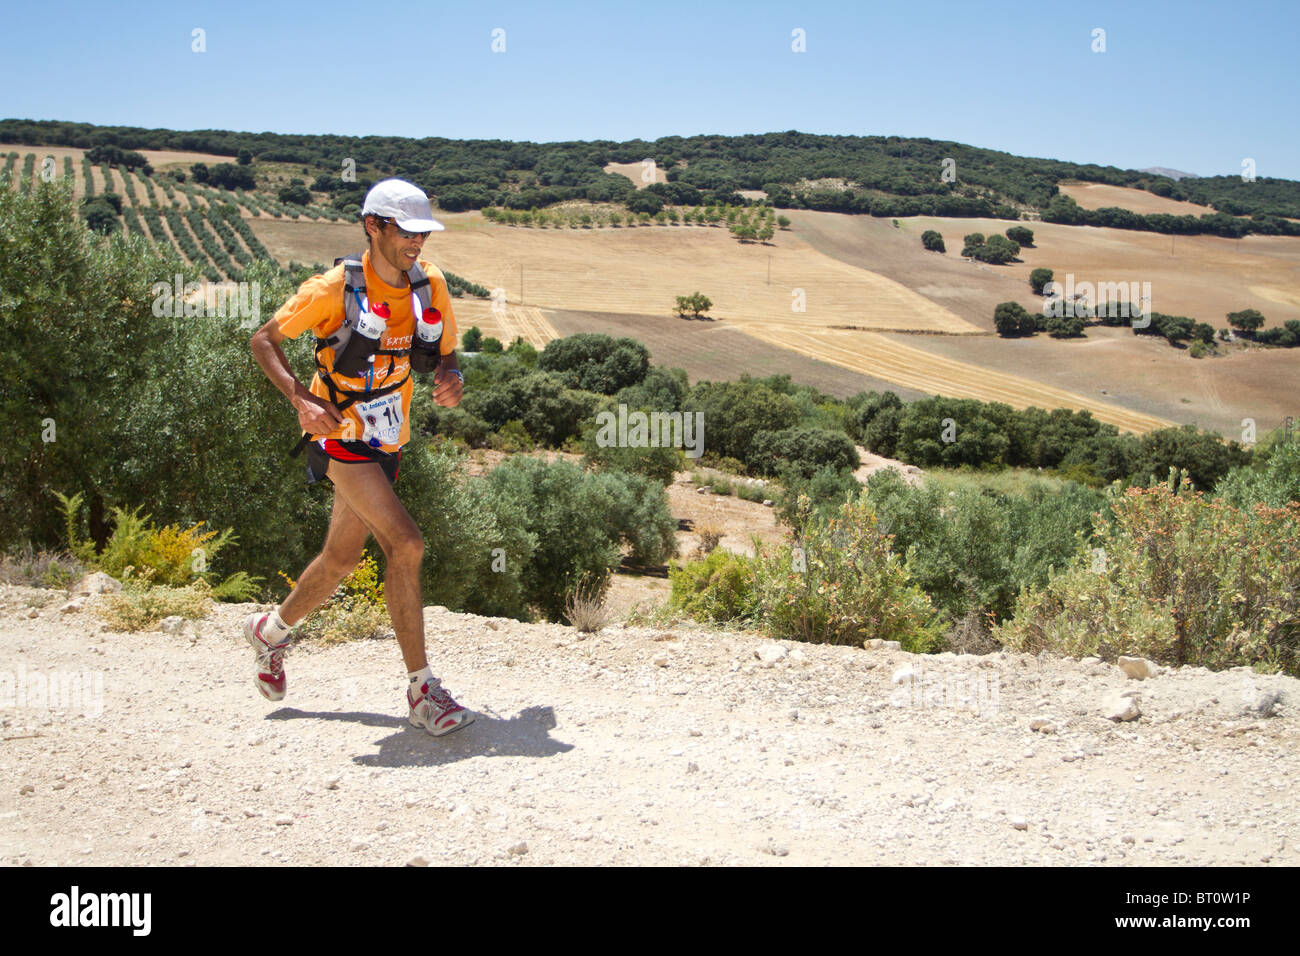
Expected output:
(266, 350)
(447, 387)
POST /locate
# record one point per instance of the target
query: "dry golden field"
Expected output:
(878, 305)
(1205, 277)
(1100, 195)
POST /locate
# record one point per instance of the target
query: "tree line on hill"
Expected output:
(890, 175)
(1064, 209)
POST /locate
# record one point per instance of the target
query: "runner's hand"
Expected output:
(317, 416)
(446, 388)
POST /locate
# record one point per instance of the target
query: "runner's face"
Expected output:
(398, 252)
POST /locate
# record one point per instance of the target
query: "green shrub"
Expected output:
(477, 543)
(637, 512)
(167, 556)
(596, 363)
(141, 605)
(512, 437)
(661, 390)
(1272, 479)
(826, 490)
(734, 412)
(805, 450)
(579, 521)
(971, 547)
(1180, 579)
(458, 423)
(842, 585)
(355, 611)
(658, 464)
(719, 588)
(548, 410)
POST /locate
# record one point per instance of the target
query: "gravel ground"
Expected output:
(633, 746)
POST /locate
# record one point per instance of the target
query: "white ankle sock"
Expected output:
(274, 630)
(417, 679)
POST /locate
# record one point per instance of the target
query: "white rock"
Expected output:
(97, 583)
(903, 674)
(767, 502)
(518, 849)
(770, 653)
(284, 820)
(877, 642)
(1019, 823)
(1267, 702)
(171, 624)
(71, 607)
(1118, 708)
(332, 783)
(417, 860)
(1137, 668)
(1042, 725)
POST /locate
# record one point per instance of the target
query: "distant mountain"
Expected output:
(1171, 173)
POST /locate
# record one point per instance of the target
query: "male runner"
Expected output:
(360, 455)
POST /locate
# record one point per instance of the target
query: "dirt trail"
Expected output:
(634, 746)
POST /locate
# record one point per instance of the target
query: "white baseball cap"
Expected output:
(405, 203)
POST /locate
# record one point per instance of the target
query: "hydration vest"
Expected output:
(354, 303)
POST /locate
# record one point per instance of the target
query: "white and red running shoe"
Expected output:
(270, 679)
(435, 711)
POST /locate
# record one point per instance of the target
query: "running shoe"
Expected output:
(435, 711)
(270, 679)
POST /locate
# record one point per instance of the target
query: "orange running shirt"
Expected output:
(318, 305)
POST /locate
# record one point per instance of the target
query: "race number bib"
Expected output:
(381, 419)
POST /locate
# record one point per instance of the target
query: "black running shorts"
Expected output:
(318, 459)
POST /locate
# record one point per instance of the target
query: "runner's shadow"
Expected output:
(526, 735)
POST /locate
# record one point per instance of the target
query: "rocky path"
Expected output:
(634, 746)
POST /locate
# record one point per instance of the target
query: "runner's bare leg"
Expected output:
(366, 491)
(344, 545)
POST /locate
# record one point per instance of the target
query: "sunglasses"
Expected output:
(402, 233)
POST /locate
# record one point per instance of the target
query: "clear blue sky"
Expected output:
(1191, 85)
